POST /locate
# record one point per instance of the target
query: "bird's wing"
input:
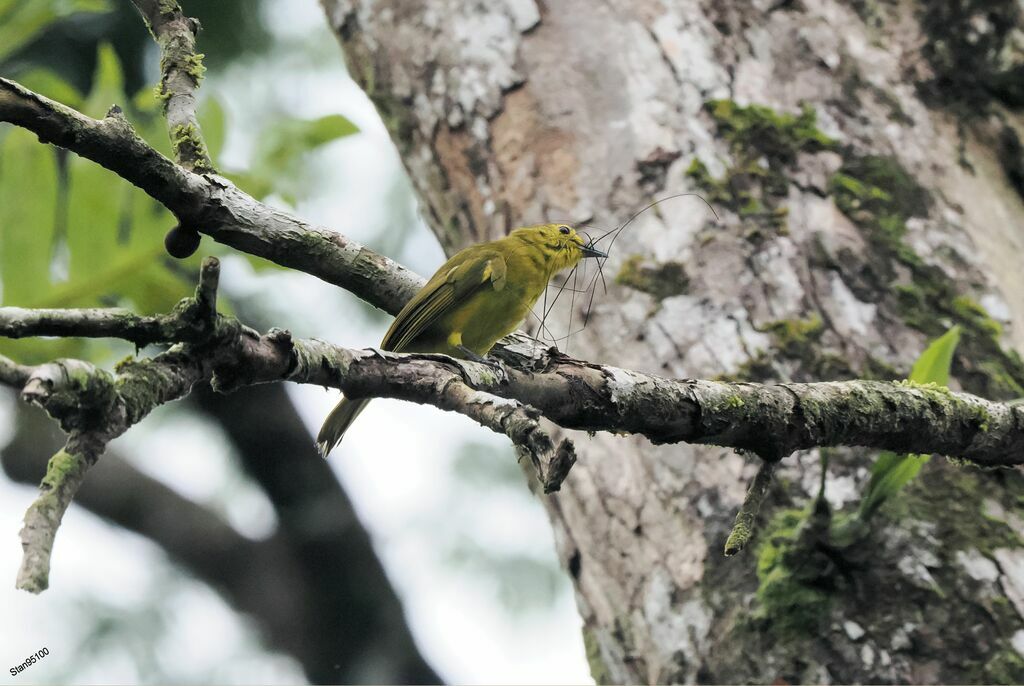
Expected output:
(451, 286)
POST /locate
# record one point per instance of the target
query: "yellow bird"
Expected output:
(478, 296)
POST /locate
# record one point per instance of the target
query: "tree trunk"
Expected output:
(864, 160)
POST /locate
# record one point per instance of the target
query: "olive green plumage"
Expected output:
(478, 296)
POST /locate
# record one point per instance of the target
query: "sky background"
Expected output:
(442, 497)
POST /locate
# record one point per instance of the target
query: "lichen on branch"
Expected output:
(181, 70)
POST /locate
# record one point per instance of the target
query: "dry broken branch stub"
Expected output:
(743, 526)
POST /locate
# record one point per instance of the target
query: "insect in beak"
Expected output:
(590, 251)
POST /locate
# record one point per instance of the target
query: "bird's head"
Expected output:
(561, 245)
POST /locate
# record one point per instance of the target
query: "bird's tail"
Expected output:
(337, 423)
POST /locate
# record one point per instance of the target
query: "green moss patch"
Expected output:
(799, 341)
(761, 130)
(764, 145)
(880, 196)
(789, 594)
(661, 279)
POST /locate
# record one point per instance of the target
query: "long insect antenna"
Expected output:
(568, 335)
(572, 303)
(591, 286)
(541, 331)
(653, 204)
(600, 265)
(636, 214)
(544, 311)
(593, 290)
(569, 290)
(554, 301)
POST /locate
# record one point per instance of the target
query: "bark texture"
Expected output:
(865, 161)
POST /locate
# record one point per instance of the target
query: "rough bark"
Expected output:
(862, 159)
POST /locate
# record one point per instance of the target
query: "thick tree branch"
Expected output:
(772, 420)
(211, 204)
(181, 70)
(769, 420)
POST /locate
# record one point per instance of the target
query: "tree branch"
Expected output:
(181, 71)
(211, 204)
(772, 421)
(12, 373)
(769, 420)
(192, 320)
(64, 474)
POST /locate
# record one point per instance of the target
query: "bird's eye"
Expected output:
(564, 230)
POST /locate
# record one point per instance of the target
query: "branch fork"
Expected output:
(771, 421)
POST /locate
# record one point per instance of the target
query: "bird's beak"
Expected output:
(589, 251)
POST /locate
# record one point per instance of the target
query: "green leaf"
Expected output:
(295, 137)
(108, 83)
(934, 363)
(214, 125)
(326, 129)
(108, 234)
(28, 196)
(280, 165)
(891, 472)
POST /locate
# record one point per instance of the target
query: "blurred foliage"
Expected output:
(279, 164)
(21, 20)
(62, 36)
(73, 234)
(523, 583)
(149, 638)
(891, 472)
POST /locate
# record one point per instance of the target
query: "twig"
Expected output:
(743, 526)
(64, 475)
(181, 70)
(192, 320)
(213, 205)
(12, 373)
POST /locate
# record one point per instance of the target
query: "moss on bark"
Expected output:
(880, 196)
